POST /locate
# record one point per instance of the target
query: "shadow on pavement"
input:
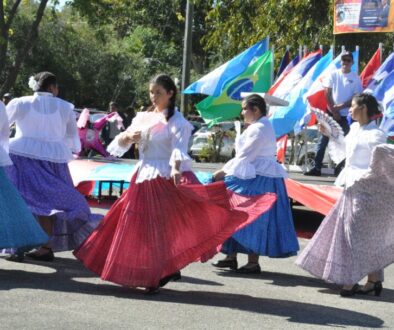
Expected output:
(300, 312)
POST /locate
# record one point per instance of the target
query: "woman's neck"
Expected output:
(364, 121)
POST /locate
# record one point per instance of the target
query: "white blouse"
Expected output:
(162, 143)
(46, 128)
(359, 144)
(255, 153)
(4, 134)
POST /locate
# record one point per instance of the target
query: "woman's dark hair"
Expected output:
(44, 80)
(255, 100)
(168, 84)
(369, 101)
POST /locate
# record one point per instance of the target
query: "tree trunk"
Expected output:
(23, 52)
(4, 31)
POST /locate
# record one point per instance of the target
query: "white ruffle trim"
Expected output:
(56, 152)
(151, 169)
(179, 155)
(244, 169)
(349, 176)
(115, 149)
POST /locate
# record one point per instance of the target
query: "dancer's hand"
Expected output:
(322, 130)
(128, 138)
(218, 175)
(176, 176)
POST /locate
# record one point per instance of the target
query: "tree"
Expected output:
(9, 71)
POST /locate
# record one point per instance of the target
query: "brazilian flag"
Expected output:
(226, 106)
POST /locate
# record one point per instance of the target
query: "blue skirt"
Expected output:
(273, 233)
(18, 227)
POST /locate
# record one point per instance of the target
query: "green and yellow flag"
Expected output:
(226, 106)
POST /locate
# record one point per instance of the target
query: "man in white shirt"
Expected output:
(340, 86)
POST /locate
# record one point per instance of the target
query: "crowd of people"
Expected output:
(167, 219)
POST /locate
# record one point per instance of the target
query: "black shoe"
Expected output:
(313, 172)
(226, 263)
(249, 270)
(49, 256)
(152, 290)
(16, 257)
(172, 277)
(376, 289)
(348, 293)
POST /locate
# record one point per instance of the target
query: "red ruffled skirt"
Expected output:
(155, 229)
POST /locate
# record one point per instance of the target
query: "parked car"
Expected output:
(305, 149)
(207, 141)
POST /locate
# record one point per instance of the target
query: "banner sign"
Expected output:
(355, 16)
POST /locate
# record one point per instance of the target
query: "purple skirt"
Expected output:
(48, 190)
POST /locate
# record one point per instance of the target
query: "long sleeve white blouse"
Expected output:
(358, 145)
(255, 153)
(46, 128)
(4, 134)
(162, 144)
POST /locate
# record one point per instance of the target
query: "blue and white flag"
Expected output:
(384, 93)
(284, 119)
(214, 82)
(380, 74)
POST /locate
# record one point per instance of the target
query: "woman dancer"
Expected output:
(46, 132)
(18, 228)
(156, 227)
(357, 237)
(254, 170)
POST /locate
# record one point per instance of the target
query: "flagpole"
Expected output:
(358, 58)
(381, 51)
(187, 52)
(272, 65)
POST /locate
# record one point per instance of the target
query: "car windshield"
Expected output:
(200, 140)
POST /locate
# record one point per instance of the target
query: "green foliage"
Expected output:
(105, 50)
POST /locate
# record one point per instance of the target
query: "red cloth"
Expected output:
(155, 229)
(369, 70)
(319, 198)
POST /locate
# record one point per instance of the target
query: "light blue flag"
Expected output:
(214, 82)
(380, 74)
(284, 119)
(384, 93)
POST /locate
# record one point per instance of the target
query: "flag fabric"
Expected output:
(356, 56)
(281, 145)
(384, 93)
(256, 78)
(285, 86)
(369, 70)
(316, 96)
(284, 73)
(214, 82)
(283, 119)
(283, 63)
(380, 74)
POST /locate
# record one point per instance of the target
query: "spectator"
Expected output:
(340, 86)
(7, 98)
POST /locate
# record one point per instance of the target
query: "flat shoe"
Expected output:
(49, 256)
(249, 270)
(172, 277)
(16, 257)
(230, 263)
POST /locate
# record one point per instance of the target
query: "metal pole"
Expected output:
(187, 52)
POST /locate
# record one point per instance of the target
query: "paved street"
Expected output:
(64, 295)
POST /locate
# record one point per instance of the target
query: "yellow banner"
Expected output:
(363, 16)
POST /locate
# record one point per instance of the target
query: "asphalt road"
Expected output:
(64, 295)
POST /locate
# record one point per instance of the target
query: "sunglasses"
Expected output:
(346, 60)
